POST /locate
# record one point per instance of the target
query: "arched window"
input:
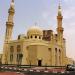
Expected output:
(56, 56)
(50, 54)
(19, 55)
(11, 53)
(60, 56)
(39, 37)
(35, 36)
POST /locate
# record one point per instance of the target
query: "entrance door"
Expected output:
(39, 62)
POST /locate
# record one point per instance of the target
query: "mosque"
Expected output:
(38, 47)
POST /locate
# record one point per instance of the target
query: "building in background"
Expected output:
(69, 61)
(38, 47)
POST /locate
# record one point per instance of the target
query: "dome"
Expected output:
(34, 30)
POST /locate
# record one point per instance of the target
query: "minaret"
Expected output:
(8, 34)
(9, 23)
(60, 40)
(59, 26)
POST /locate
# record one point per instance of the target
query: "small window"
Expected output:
(39, 37)
(35, 36)
(56, 49)
(18, 37)
(49, 49)
(31, 37)
(59, 50)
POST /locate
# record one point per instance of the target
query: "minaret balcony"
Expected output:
(60, 29)
(9, 23)
(11, 10)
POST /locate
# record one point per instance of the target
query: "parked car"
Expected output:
(70, 67)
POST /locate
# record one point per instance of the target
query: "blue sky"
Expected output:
(44, 12)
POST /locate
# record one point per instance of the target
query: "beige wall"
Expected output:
(34, 50)
(43, 54)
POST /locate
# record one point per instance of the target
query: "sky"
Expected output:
(42, 12)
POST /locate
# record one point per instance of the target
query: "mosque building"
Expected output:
(38, 47)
